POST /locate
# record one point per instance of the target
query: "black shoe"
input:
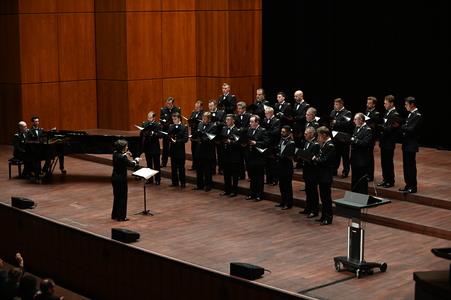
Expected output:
(197, 188)
(64, 172)
(220, 172)
(257, 199)
(157, 182)
(249, 197)
(319, 220)
(326, 222)
(123, 220)
(224, 194)
(286, 207)
(312, 215)
(304, 212)
(208, 188)
(344, 175)
(232, 195)
(279, 205)
(408, 190)
(173, 185)
(183, 185)
(388, 185)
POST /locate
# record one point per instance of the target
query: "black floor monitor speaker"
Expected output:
(246, 271)
(22, 203)
(124, 235)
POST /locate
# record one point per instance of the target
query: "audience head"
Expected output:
(121, 146)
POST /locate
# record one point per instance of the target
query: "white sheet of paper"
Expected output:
(260, 149)
(163, 132)
(145, 173)
(210, 136)
(366, 118)
(317, 119)
(139, 127)
(334, 133)
(347, 119)
(385, 120)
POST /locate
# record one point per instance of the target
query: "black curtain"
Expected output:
(354, 49)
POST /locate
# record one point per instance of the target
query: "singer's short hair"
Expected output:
(120, 145)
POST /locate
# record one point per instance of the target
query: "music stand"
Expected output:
(145, 174)
(351, 206)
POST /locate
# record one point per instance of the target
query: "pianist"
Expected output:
(19, 143)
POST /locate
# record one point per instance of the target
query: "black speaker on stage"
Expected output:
(246, 271)
(124, 235)
(22, 203)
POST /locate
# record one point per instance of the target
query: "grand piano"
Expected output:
(57, 143)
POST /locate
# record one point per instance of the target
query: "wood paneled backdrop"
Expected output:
(82, 64)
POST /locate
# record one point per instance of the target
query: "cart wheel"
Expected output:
(337, 266)
(358, 273)
(383, 267)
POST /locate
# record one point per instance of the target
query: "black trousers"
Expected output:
(270, 170)
(257, 176)
(178, 171)
(326, 200)
(359, 179)
(311, 195)
(343, 153)
(409, 165)
(153, 162)
(120, 190)
(231, 175)
(165, 151)
(388, 168)
(195, 159)
(203, 173)
(218, 159)
(286, 187)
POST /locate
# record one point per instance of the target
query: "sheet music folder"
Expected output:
(145, 173)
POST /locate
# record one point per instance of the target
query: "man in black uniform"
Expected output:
(361, 142)
(20, 151)
(150, 140)
(205, 137)
(255, 149)
(299, 115)
(324, 162)
(242, 122)
(232, 157)
(166, 120)
(35, 136)
(373, 120)
(178, 136)
(283, 110)
(284, 165)
(227, 101)
(258, 107)
(272, 126)
(410, 135)
(387, 141)
(309, 173)
(341, 122)
(193, 121)
(218, 118)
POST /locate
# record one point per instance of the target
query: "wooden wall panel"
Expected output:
(38, 48)
(178, 49)
(10, 111)
(75, 6)
(209, 88)
(78, 104)
(245, 43)
(213, 5)
(42, 99)
(245, 5)
(111, 50)
(109, 5)
(112, 104)
(143, 96)
(212, 43)
(184, 92)
(244, 87)
(37, 6)
(178, 5)
(10, 51)
(144, 5)
(144, 45)
(76, 46)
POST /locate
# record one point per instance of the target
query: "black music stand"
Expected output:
(352, 206)
(144, 174)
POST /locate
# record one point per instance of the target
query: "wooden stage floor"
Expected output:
(212, 231)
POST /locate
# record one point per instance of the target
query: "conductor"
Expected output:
(119, 179)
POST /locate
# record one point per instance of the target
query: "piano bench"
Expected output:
(16, 162)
